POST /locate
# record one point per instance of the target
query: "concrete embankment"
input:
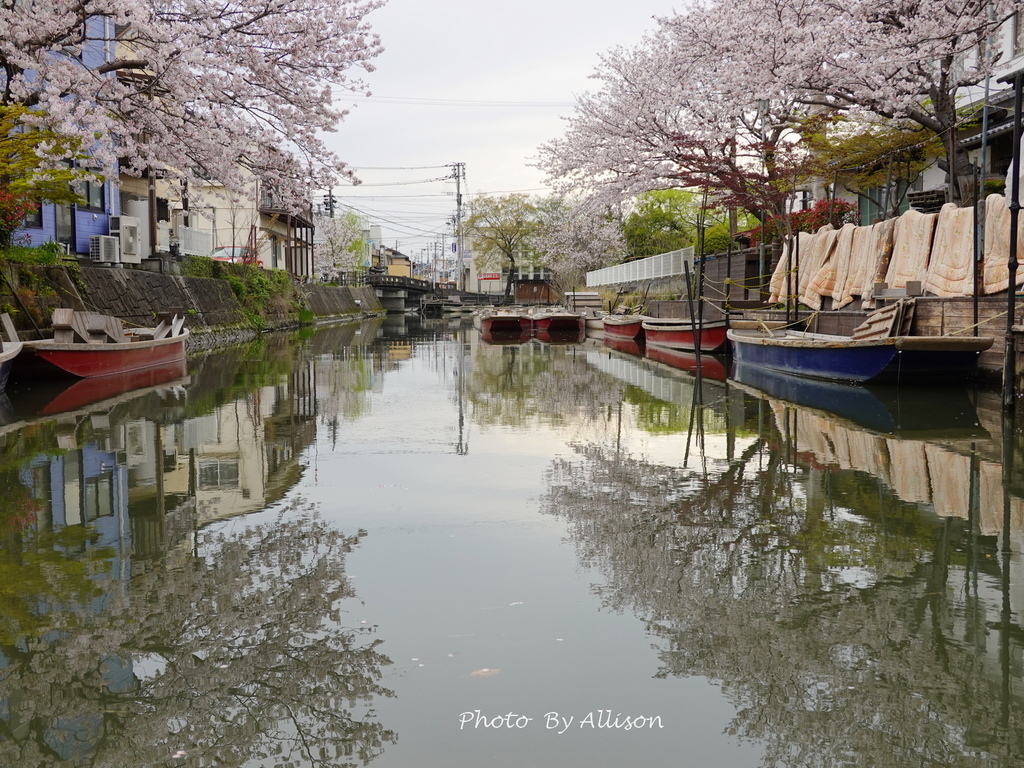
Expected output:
(213, 312)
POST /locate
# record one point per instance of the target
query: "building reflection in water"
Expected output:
(137, 631)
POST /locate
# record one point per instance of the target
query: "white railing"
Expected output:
(663, 265)
(192, 242)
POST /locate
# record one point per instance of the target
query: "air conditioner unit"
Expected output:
(118, 223)
(104, 249)
(130, 246)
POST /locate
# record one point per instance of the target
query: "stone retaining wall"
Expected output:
(213, 312)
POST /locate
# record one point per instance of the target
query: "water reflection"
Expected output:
(136, 631)
(852, 585)
(856, 594)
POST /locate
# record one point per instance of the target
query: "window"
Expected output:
(34, 219)
(92, 191)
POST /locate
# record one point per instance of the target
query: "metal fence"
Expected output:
(193, 242)
(663, 265)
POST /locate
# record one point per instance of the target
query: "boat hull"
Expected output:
(501, 324)
(624, 327)
(895, 359)
(559, 323)
(87, 360)
(682, 334)
(10, 351)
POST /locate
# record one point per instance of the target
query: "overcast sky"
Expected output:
(472, 81)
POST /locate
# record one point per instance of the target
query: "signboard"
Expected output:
(490, 276)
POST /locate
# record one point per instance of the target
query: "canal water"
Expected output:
(395, 544)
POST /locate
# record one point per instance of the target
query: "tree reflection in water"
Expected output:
(232, 654)
(848, 626)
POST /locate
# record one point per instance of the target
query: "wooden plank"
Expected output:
(114, 329)
(10, 332)
(95, 326)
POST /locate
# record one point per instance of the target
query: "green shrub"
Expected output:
(47, 254)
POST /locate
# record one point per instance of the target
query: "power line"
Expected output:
(431, 102)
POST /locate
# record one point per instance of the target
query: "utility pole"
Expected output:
(459, 174)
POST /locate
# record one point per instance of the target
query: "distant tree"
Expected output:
(340, 245)
(576, 236)
(660, 221)
(502, 228)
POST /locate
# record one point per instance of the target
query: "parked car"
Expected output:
(237, 254)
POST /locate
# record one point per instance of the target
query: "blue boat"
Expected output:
(899, 359)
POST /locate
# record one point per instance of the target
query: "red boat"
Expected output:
(624, 326)
(559, 322)
(501, 322)
(680, 333)
(87, 344)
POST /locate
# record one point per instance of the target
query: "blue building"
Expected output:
(74, 224)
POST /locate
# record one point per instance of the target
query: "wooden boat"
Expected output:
(87, 344)
(907, 359)
(498, 321)
(625, 326)
(682, 333)
(10, 348)
(593, 320)
(558, 321)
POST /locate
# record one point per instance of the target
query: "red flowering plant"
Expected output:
(834, 212)
(14, 207)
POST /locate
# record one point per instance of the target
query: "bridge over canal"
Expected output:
(399, 294)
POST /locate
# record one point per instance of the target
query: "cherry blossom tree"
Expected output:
(191, 89)
(720, 96)
(671, 114)
(575, 236)
(869, 59)
(339, 245)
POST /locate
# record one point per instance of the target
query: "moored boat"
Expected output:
(556, 321)
(87, 344)
(499, 321)
(903, 359)
(683, 333)
(10, 348)
(625, 326)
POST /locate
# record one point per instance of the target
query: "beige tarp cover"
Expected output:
(842, 260)
(996, 273)
(880, 243)
(912, 243)
(778, 288)
(950, 266)
(816, 260)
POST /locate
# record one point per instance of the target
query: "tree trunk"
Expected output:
(511, 274)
